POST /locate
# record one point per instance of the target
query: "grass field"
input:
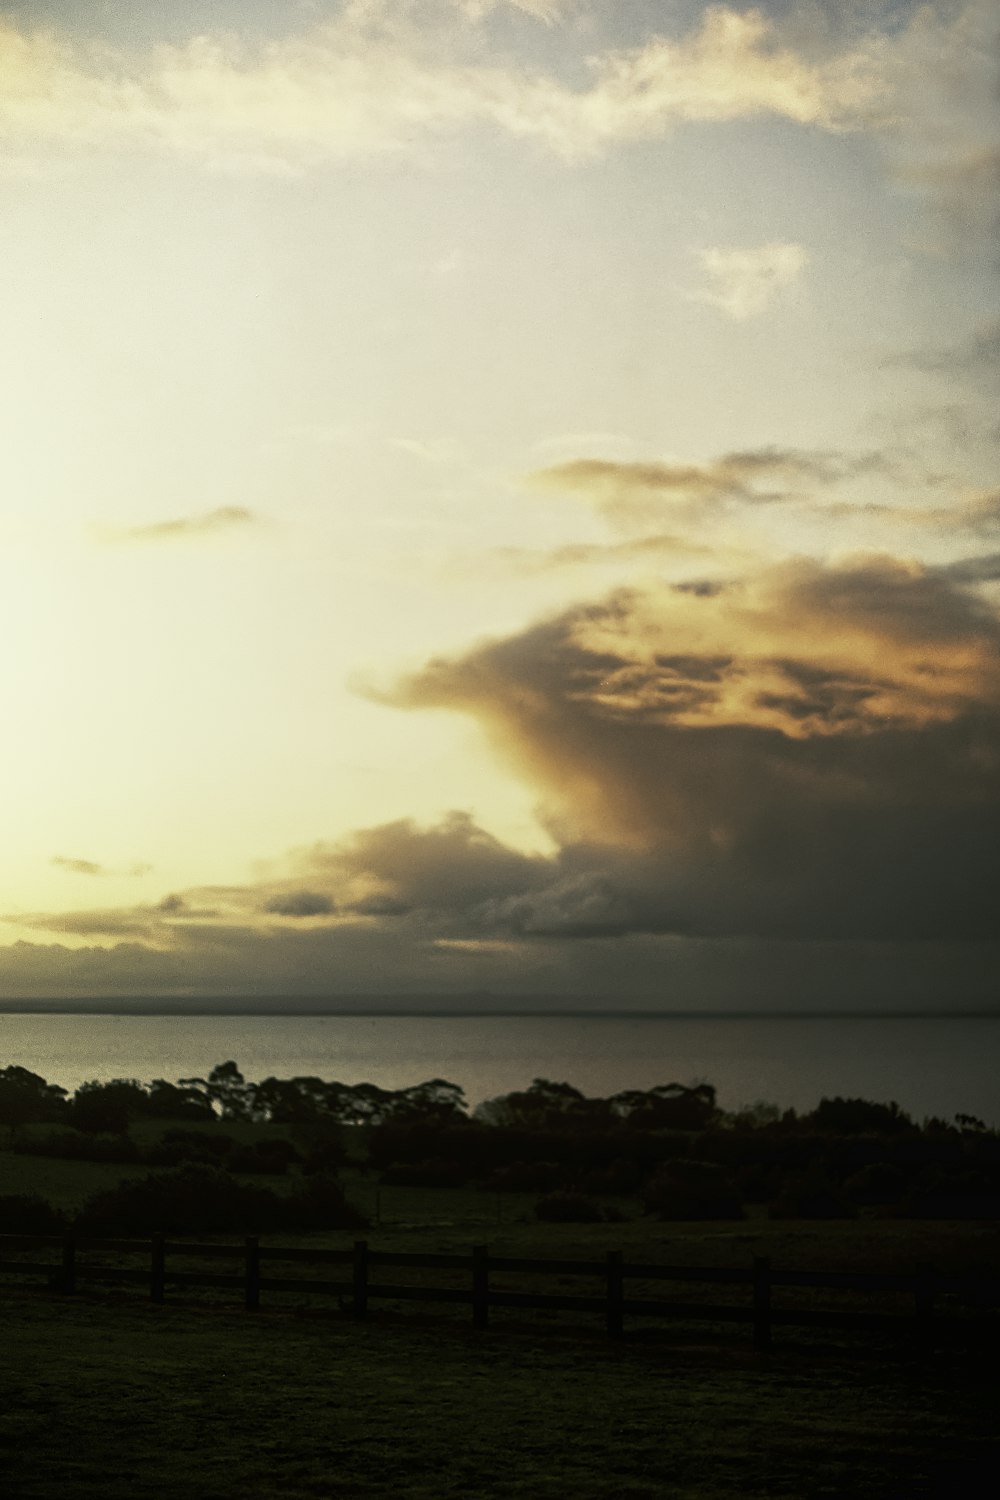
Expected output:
(106, 1395)
(131, 1402)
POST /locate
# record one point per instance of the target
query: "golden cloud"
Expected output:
(377, 81)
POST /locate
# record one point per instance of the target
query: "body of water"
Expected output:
(937, 1066)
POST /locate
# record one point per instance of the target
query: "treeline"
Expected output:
(670, 1149)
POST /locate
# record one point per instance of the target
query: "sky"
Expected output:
(499, 498)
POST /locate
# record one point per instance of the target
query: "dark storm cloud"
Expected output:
(399, 868)
(835, 774)
(300, 904)
(975, 569)
(135, 922)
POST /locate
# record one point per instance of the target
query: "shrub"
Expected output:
(962, 1195)
(27, 1213)
(691, 1190)
(620, 1179)
(178, 1146)
(528, 1177)
(270, 1158)
(319, 1204)
(812, 1196)
(76, 1145)
(878, 1184)
(569, 1208)
(435, 1172)
(190, 1199)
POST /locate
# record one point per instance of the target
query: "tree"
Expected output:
(169, 1101)
(668, 1106)
(26, 1098)
(434, 1102)
(224, 1088)
(858, 1117)
(545, 1105)
(108, 1107)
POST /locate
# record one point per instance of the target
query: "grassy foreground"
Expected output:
(126, 1401)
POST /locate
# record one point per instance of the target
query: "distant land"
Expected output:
(467, 1005)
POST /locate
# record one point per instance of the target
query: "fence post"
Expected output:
(761, 1302)
(480, 1286)
(360, 1278)
(616, 1294)
(69, 1264)
(252, 1273)
(157, 1269)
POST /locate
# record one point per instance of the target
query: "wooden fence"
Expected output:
(356, 1286)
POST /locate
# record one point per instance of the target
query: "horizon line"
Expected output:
(302, 1006)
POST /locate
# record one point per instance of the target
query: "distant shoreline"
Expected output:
(274, 1009)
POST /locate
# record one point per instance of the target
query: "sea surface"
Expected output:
(937, 1066)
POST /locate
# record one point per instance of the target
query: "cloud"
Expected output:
(975, 358)
(78, 866)
(106, 923)
(660, 547)
(743, 282)
(640, 493)
(91, 867)
(224, 518)
(810, 754)
(300, 904)
(941, 136)
(384, 78)
(398, 867)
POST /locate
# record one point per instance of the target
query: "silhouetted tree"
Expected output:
(435, 1102)
(26, 1098)
(668, 1106)
(856, 1117)
(170, 1101)
(108, 1107)
(226, 1089)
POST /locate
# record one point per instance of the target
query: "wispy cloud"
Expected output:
(639, 493)
(744, 282)
(376, 80)
(225, 518)
(78, 866)
(91, 867)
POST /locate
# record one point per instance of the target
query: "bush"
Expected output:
(879, 1184)
(620, 1179)
(27, 1213)
(191, 1199)
(812, 1197)
(269, 1158)
(962, 1195)
(435, 1172)
(319, 1204)
(528, 1177)
(691, 1190)
(569, 1208)
(178, 1146)
(75, 1145)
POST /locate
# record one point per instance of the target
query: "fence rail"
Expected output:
(926, 1317)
